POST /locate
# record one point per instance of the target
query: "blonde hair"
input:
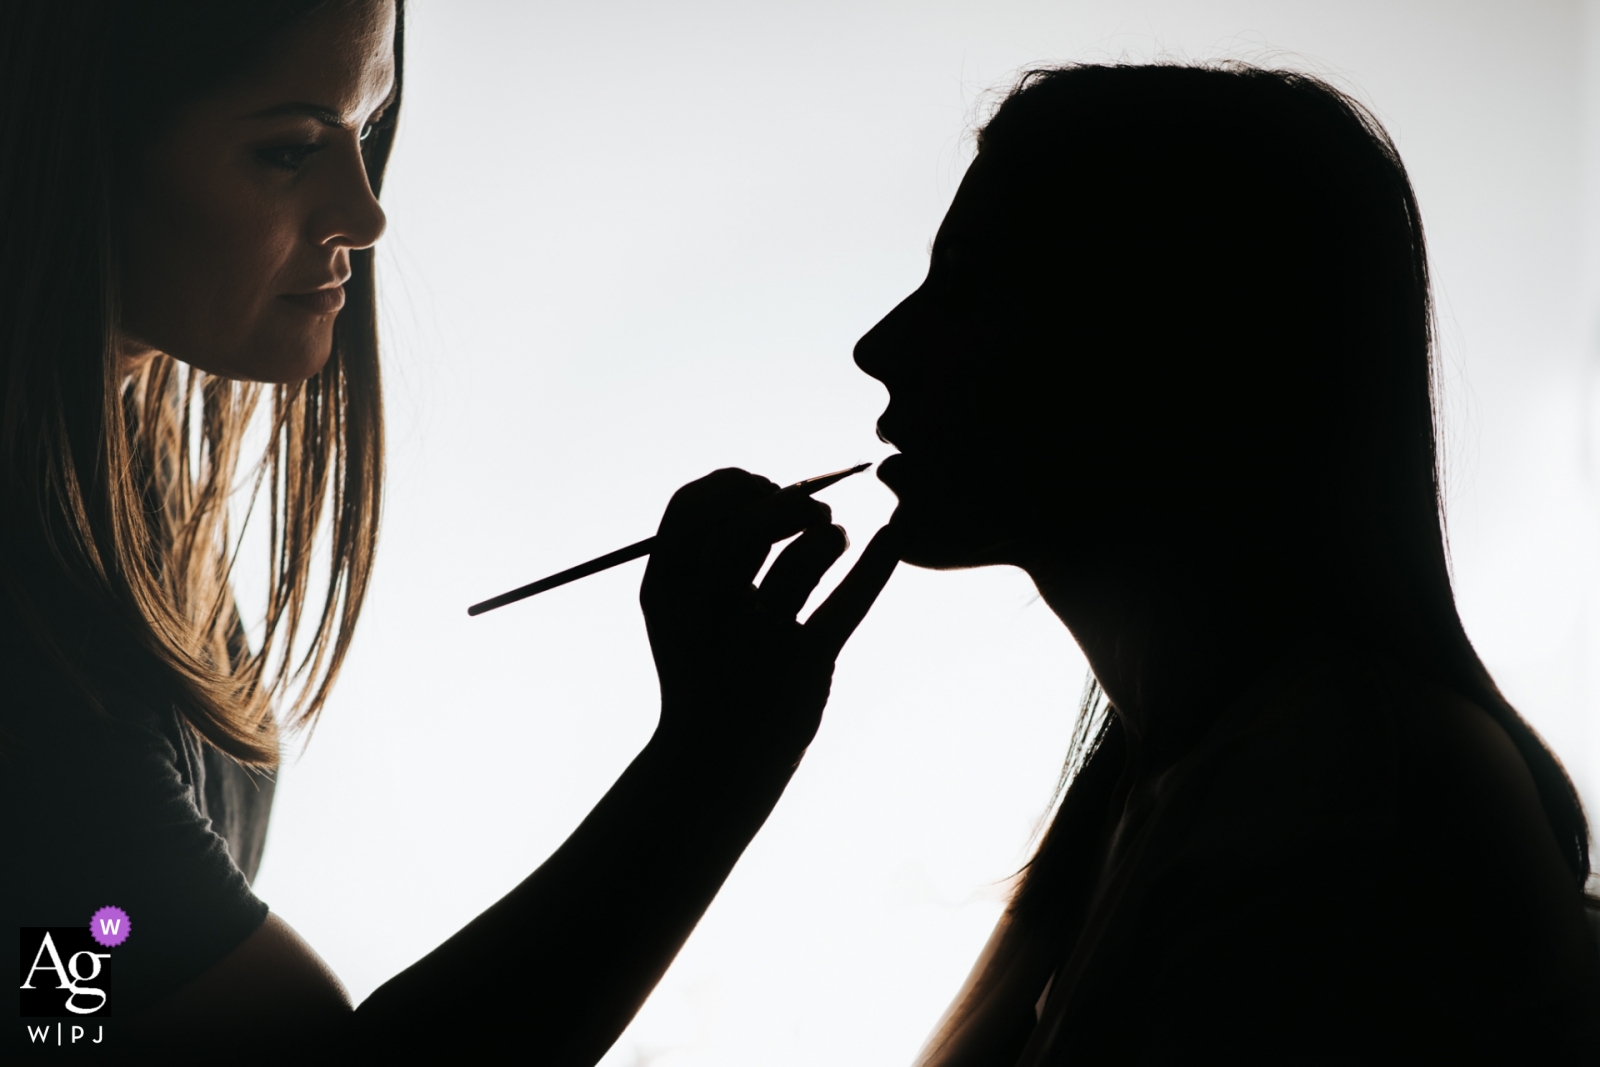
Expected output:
(116, 552)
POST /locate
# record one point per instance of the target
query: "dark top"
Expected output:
(128, 809)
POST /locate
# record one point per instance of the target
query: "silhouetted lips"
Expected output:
(318, 301)
(892, 470)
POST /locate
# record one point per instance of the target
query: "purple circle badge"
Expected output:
(110, 926)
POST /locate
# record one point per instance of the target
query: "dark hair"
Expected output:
(1264, 227)
(115, 557)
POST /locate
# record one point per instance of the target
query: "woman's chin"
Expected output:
(945, 542)
(288, 365)
(294, 361)
(278, 364)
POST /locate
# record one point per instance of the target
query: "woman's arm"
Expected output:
(565, 960)
(554, 971)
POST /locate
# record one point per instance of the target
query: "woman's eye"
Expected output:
(290, 157)
(383, 120)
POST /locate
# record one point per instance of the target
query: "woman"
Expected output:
(188, 192)
(1173, 357)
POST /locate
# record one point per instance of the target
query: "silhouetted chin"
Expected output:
(946, 537)
(941, 523)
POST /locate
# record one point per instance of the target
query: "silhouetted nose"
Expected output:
(881, 350)
(867, 353)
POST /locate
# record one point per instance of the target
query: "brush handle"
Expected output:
(571, 574)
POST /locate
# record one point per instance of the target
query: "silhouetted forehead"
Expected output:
(984, 213)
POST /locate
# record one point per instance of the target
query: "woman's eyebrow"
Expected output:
(323, 114)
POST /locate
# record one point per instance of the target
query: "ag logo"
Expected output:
(65, 971)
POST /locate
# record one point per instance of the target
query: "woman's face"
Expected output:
(975, 408)
(239, 229)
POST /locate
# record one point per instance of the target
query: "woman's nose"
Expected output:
(881, 352)
(868, 352)
(352, 217)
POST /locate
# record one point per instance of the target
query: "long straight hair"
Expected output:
(116, 556)
(1261, 229)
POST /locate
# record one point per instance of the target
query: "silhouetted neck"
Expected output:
(1172, 647)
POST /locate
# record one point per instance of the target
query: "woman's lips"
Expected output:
(891, 471)
(318, 301)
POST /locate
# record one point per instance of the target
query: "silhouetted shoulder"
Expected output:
(1353, 860)
(1337, 751)
(1310, 755)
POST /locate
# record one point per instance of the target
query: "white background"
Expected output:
(632, 242)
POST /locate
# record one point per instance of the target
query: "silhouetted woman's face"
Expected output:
(975, 406)
(239, 229)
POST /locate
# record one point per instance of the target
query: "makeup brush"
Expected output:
(637, 549)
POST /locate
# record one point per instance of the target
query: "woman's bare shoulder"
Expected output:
(1354, 769)
(1359, 856)
(1343, 720)
(1339, 742)
(1401, 815)
(1473, 786)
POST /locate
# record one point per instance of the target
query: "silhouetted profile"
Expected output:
(1174, 358)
